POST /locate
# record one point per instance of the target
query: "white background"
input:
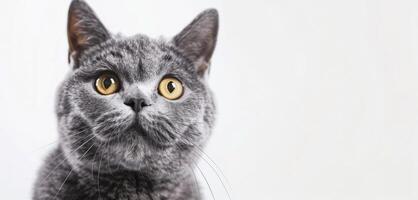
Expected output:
(317, 99)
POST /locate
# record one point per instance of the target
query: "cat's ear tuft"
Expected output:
(197, 41)
(84, 29)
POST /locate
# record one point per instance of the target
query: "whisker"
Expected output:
(207, 162)
(213, 169)
(196, 184)
(94, 157)
(98, 172)
(57, 140)
(68, 175)
(46, 145)
(65, 180)
(64, 159)
(216, 165)
(98, 177)
(206, 180)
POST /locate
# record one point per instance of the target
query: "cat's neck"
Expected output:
(125, 183)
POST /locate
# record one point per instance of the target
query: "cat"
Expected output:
(133, 113)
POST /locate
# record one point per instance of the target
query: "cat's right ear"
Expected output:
(84, 30)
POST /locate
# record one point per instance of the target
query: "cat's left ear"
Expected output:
(197, 41)
(84, 29)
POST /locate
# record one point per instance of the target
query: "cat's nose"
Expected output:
(137, 104)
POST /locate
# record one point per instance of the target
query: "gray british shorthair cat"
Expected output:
(134, 113)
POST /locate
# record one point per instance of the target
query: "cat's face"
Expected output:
(134, 102)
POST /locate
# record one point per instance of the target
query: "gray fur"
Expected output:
(104, 151)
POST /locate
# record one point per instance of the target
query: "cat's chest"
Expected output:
(129, 190)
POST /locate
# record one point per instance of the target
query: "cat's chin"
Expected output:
(139, 155)
(149, 135)
(138, 145)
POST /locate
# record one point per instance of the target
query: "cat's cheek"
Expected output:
(160, 106)
(190, 109)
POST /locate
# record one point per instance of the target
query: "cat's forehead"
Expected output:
(136, 58)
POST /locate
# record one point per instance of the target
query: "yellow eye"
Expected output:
(107, 84)
(170, 88)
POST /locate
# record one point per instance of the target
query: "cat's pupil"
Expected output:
(107, 83)
(171, 86)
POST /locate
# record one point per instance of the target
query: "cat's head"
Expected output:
(134, 102)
